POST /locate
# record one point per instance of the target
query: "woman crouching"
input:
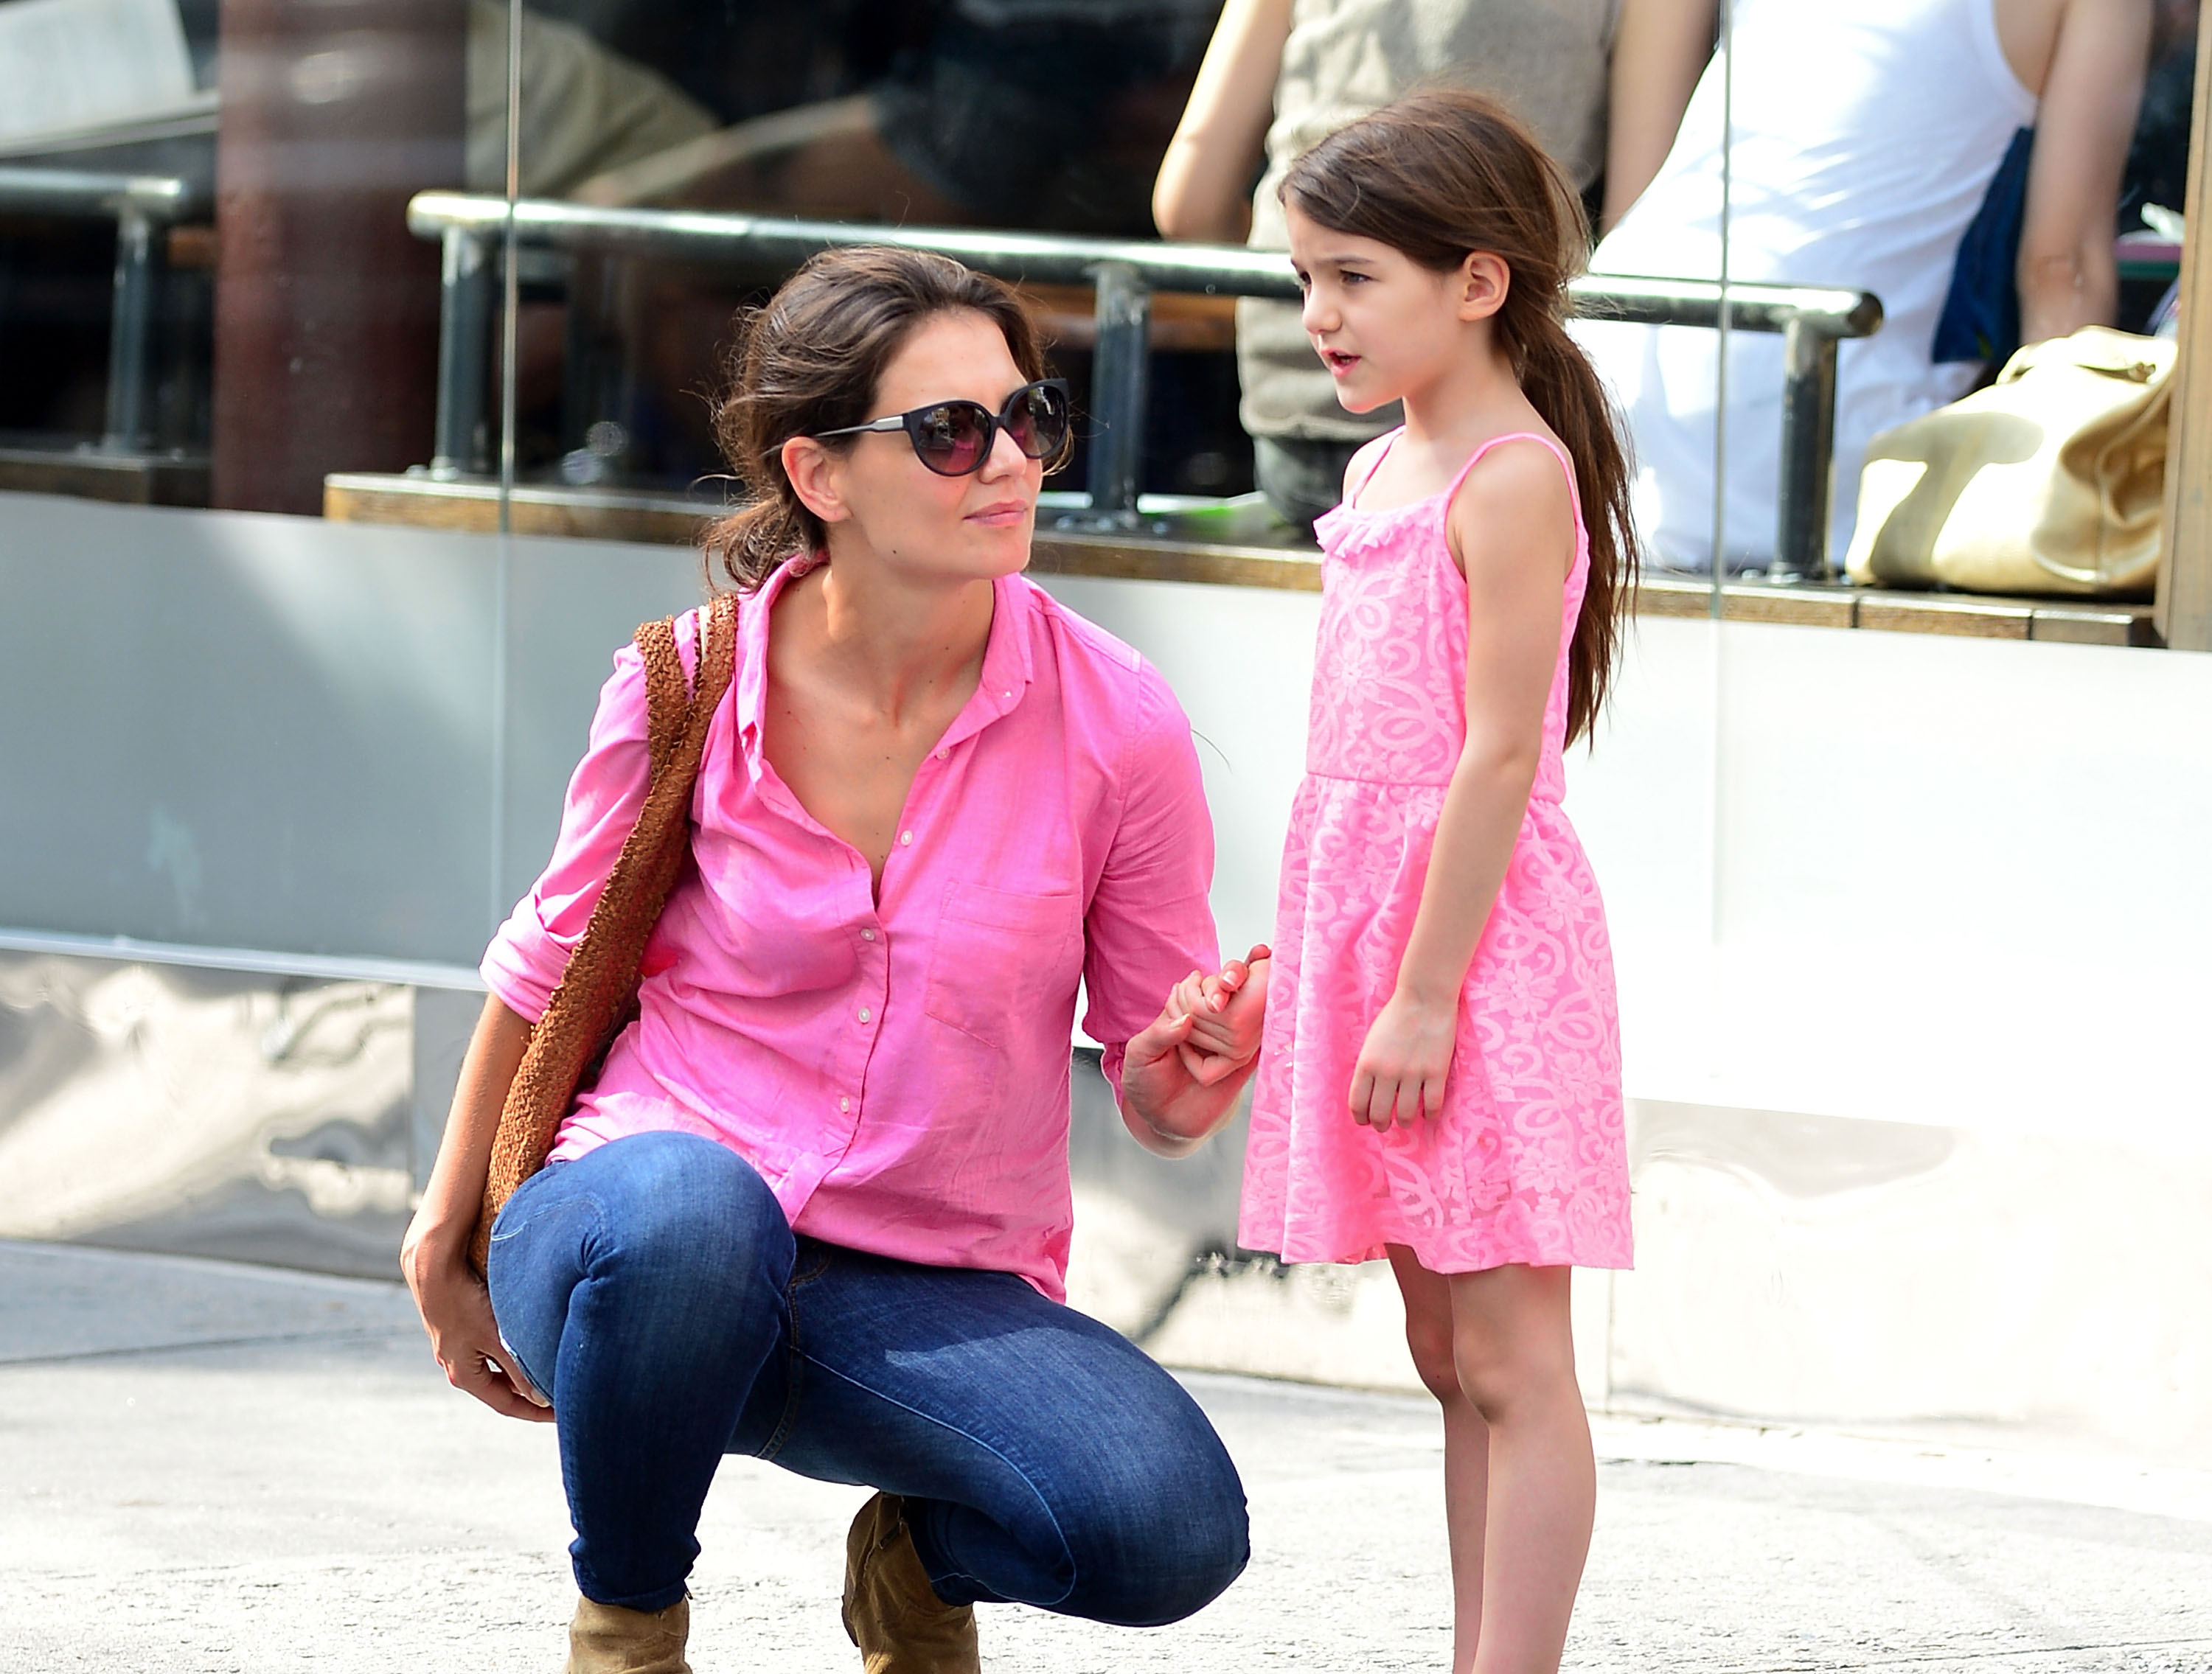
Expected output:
(815, 1208)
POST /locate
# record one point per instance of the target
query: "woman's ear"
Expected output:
(1484, 280)
(815, 477)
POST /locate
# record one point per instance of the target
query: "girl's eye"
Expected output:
(1355, 278)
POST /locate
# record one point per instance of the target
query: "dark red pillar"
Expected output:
(334, 114)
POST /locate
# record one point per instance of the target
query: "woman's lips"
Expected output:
(1001, 513)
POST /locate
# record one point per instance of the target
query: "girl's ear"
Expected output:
(816, 478)
(1484, 282)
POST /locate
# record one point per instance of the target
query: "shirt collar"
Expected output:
(1009, 663)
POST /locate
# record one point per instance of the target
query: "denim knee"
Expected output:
(677, 1207)
(1171, 1547)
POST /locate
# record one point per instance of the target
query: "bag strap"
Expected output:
(597, 995)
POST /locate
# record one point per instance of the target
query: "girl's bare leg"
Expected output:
(1513, 1350)
(1467, 1443)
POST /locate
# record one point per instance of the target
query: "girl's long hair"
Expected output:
(1438, 175)
(809, 360)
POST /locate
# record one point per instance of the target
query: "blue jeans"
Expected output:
(653, 1290)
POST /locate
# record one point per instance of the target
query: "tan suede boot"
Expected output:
(606, 1639)
(891, 1611)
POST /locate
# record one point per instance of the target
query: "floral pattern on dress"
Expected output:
(1527, 1161)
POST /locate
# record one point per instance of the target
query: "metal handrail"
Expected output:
(1124, 273)
(143, 206)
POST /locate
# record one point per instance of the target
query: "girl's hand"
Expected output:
(1171, 1107)
(1402, 1065)
(1226, 1011)
(455, 1311)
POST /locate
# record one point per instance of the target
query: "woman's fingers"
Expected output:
(475, 1374)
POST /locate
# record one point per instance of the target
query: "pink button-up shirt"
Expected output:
(896, 1070)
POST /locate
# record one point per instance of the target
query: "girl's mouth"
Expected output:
(1338, 361)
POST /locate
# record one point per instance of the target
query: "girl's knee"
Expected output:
(1503, 1383)
(1434, 1360)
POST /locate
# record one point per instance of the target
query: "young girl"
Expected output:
(1439, 1080)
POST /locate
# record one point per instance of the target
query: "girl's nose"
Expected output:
(1316, 315)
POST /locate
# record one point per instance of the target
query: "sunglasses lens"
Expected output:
(949, 437)
(1037, 420)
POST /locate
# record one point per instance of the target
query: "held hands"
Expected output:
(1402, 1067)
(1224, 1035)
(1181, 1073)
(455, 1311)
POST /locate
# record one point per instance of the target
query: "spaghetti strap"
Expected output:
(1574, 489)
(1388, 439)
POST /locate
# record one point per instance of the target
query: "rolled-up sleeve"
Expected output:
(530, 951)
(1150, 925)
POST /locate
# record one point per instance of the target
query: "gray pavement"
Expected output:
(217, 1469)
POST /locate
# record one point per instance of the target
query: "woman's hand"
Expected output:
(1175, 1092)
(1402, 1065)
(455, 1311)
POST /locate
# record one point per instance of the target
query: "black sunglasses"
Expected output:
(954, 438)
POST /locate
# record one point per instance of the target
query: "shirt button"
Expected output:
(864, 1014)
(906, 837)
(867, 936)
(844, 1104)
(942, 754)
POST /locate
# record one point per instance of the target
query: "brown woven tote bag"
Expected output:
(597, 996)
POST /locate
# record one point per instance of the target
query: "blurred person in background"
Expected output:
(1601, 83)
(1859, 142)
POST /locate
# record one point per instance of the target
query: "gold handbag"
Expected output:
(597, 996)
(2049, 481)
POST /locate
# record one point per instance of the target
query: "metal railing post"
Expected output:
(462, 447)
(131, 328)
(1120, 363)
(1809, 430)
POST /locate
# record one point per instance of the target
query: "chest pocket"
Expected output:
(997, 952)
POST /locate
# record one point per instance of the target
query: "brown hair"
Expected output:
(810, 360)
(1443, 173)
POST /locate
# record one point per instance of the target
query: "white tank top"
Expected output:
(1864, 135)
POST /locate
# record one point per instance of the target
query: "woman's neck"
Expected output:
(893, 643)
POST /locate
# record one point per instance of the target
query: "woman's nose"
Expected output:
(1005, 457)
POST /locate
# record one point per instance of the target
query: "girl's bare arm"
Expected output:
(455, 1306)
(1203, 189)
(1512, 528)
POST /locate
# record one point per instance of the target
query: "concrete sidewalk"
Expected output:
(206, 1469)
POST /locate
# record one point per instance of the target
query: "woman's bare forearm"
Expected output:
(1202, 190)
(2063, 291)
(1659, 51)
(455, 1192)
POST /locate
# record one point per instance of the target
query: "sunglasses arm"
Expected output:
(896, 422)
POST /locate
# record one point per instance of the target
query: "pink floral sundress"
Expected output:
(1526, 1162)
